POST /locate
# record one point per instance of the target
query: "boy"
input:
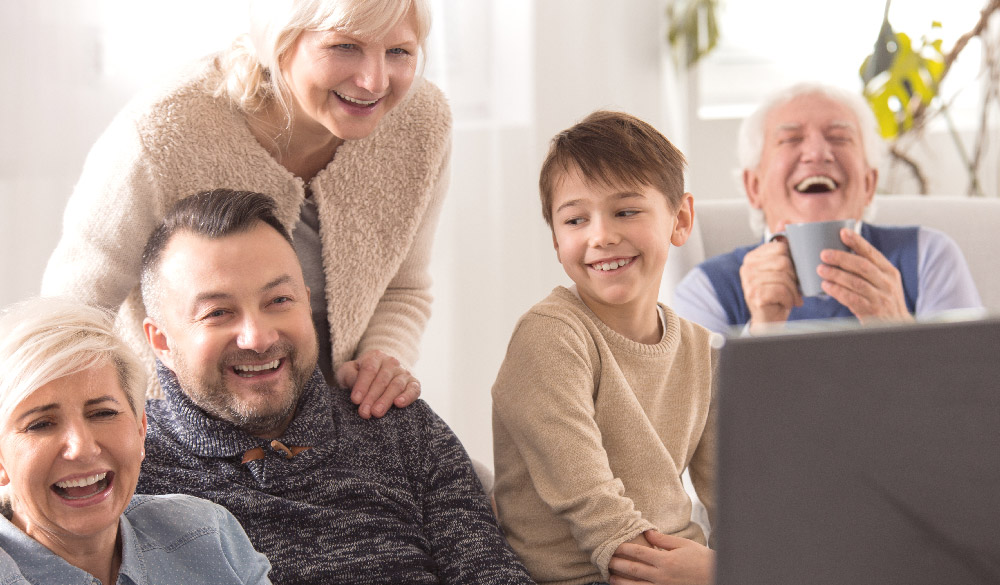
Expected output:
(605, 396)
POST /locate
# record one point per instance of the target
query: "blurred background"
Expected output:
(516, 72)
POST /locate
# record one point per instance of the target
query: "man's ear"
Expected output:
(555, 244)
(158, 341)
(4, 478)
(683, 221)
(751, 184)
(871, 181)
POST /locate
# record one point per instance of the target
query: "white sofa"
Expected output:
(974, 223)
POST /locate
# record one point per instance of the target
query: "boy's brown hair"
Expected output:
(613, 149)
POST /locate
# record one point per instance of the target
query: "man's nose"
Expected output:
(816, 148)
(374, 75)
(256, 333)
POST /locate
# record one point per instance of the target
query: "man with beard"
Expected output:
(248, 421)
(811, 153)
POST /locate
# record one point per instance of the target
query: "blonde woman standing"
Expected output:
(321, 107)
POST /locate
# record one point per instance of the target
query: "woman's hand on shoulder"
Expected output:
(377, 381)
(666, 559)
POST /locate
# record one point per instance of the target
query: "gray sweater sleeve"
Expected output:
(468, 544)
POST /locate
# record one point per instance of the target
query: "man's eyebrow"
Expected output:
(844, 124)
(788, 126)
(283, 279)
(219, 295)
(210, 296)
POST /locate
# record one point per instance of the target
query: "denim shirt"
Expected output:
(165, 539)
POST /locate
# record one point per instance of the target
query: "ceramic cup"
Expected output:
(806, 241)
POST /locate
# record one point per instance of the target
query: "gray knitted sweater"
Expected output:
(390, 500)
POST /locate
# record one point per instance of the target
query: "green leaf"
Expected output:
(693, 29)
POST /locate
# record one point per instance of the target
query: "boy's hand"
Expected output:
(377, 381)
(673, 561)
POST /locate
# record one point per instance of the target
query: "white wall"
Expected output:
(493, 257)
(68, 66)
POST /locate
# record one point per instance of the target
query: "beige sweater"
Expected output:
(378, 202)
(591, 432)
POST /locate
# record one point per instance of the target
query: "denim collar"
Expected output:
(38, 564)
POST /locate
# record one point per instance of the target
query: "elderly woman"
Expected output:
(321, 107)
(72, 427)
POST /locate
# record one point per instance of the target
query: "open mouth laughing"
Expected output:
(816, 184)
(83, 487)
(250, 370)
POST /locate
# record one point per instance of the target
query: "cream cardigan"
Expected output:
(378, 202)
(591, 432)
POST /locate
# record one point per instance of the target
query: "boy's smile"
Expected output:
(613, 243)
(611, 265)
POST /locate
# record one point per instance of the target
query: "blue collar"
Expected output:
(22, 555)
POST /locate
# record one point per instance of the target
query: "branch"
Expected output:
(912, 165)
(951, 56)
(984, 19)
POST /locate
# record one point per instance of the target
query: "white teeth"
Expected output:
(267, 366)
(817, 180)
(354, 100)
(82, 482)
(613, 265)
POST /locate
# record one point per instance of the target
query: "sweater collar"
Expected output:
(206, 436)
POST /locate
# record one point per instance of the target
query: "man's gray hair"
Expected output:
(210, 214)
(750, 144)
(751, 137)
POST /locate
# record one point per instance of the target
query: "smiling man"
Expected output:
(248, 421)
(810, 153)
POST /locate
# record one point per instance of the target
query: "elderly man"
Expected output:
(248, 421)
(810, 153)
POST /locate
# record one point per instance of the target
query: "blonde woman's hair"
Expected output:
(251, 72)
(44, 339)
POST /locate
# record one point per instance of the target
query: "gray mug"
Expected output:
(806, 241)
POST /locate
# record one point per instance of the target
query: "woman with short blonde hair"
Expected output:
(72, 427)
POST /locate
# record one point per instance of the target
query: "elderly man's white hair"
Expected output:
(751, 137)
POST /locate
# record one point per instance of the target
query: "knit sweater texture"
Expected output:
(390, 500)
(378, 203)
(591, 433)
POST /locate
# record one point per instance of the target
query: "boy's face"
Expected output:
(613, 241)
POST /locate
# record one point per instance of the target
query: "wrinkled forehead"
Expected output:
(811, 111)
(193, 263)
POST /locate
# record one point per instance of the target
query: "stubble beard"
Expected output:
(216, 399)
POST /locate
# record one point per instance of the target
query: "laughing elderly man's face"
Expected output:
(812, 166)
